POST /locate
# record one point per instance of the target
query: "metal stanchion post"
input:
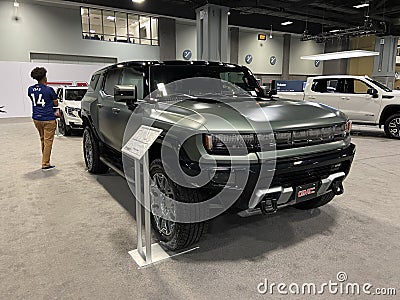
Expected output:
(138, 191)
(147, 207)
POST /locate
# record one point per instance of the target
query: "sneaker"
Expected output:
(48, 168)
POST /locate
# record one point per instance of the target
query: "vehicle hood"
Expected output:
(74, 104)
(246, 115)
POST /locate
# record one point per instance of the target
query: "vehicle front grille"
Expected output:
(314, 136)
(293, 178)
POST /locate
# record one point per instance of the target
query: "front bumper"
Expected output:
(289, 173)
(75, 122)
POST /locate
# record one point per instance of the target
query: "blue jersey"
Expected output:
(42, 98)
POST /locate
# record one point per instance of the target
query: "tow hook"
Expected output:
(269, 206)
(337, 187)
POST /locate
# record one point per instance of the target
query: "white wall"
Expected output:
(299, 66)
(15, 80)
(261, 52)
(56, 30)
(186, 39)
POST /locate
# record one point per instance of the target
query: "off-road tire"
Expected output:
(315, 203)
(63, 128)
(388, 122)
(183, 234)
(91, 153)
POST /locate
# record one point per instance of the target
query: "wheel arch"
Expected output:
(387, 112)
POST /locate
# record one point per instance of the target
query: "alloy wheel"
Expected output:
(165, 227)
(394, 127)
(88, 150)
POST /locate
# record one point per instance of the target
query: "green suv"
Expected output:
(226, 144)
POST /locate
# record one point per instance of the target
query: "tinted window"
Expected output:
(356, 86)
(171, 77)
(112, 80)
(133, 77)
(325, 86)
(74, 95)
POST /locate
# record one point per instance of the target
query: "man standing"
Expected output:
(43, 100)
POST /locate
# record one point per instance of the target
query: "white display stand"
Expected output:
(137, 149)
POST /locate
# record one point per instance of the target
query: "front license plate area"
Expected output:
(306, 192)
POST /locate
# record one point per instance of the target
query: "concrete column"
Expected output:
(234, 32)
(167, 32)
(385, 64)
(212, 33)
(340, 66)
(286, 56)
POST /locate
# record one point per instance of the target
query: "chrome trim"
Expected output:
(286, 193)
(328, 181)
(262, 193)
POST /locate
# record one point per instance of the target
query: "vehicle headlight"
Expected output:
(70, 111)
(228, 143)
(349, 126)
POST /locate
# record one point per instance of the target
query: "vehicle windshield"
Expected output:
(75, 94)
(382, 86)
(195, 81)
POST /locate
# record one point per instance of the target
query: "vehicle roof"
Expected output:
(170, 63)
(339, 76)
(75, 87)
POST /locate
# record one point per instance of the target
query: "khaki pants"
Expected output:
(46, 129)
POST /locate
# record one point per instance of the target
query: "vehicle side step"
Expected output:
(111, 166)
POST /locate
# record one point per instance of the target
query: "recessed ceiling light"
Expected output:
(361, 5)
(287, 23)
(138, 1)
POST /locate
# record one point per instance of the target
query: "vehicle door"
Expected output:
(357, 103)
(106, 106)
(131, 76)
(324, 91)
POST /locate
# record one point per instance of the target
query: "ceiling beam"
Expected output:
(288, 15)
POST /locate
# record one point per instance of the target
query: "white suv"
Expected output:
(70, 98)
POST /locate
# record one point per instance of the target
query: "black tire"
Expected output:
(63, 128)
(315, 203)
(392, 126)
(91, 153)
(181, 235)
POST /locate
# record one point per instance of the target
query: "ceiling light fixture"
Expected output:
(287, 23)
(16, 3)
(361, 5)
(270, 33)
(334, 31)
(340, 55)
(138, 1)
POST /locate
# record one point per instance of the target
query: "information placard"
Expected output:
(141, 142)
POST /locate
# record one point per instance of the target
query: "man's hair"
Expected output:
(38, 73)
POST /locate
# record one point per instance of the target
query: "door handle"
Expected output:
(312, 97)
(100, 105)
(115, 110)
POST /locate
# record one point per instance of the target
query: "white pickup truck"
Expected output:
(69, 102)
(364, 100)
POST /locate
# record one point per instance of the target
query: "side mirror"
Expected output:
(373, 92)
(268, 93)
(127, 94)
